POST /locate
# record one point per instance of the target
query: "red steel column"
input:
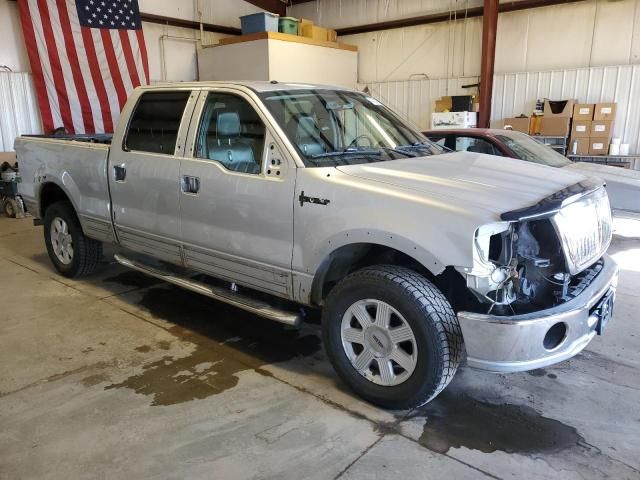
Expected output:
(489, 29)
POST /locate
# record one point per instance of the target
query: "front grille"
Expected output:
(584, 228)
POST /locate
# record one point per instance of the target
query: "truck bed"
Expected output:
(77, 164)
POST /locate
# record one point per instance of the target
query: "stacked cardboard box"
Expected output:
(592, 128)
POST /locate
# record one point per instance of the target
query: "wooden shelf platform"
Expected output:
(285, 37)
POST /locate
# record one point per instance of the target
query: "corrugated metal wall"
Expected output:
(18, 108)
(516, 93)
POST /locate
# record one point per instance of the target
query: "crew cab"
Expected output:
(272, 196)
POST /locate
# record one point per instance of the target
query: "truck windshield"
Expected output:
(334, 127)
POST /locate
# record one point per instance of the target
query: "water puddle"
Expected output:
(225, 341)
(457, 420)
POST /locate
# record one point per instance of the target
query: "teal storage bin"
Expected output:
(259, 22)
(288, 25)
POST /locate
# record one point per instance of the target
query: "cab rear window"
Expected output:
(155, 122)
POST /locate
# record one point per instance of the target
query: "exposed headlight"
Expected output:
(584, 228)
(488, 274)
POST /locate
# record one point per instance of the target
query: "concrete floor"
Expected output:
(119, 376)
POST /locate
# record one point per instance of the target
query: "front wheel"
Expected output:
(392, 336)
(73, 254)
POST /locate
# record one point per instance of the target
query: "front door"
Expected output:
(236, 196)
(144, 173)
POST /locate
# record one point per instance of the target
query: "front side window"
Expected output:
(477, 145)
(334, 127)
(231, 133)
(155, 122)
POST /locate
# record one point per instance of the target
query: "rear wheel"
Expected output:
(392, 336)
(73, 254)
(10, 207)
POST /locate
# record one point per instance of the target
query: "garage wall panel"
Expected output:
(18, 108)
(516, 93)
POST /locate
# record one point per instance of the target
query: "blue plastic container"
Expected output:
(259, 22)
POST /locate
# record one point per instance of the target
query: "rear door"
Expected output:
(236, 194)
(144, 172)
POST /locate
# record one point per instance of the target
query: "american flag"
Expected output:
(86, 57)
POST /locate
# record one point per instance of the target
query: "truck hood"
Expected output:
(495, 184)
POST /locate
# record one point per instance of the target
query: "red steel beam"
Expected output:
(273, 6)
(489, 30)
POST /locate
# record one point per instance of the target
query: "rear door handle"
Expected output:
(190, 184)
(119, 173)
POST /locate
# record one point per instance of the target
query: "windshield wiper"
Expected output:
(350, 151)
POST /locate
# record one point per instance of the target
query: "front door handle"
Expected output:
(190, 184)
(119, 173)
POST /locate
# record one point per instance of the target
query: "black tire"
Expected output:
(10, 207)
(86, 251)
(435, 328)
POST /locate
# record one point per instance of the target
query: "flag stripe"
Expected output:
(137, 57)
(143, 52)
(36, 68)
(46, 66)
(56, 69)
(121, 62)
(75, 107)
(98, 81)
(88, 78)
(107, 77)
(128, 56)
(72, 53)
(112, 63)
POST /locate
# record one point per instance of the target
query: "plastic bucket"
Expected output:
(259, 22)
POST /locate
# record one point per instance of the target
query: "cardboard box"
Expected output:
(602, 128)
(332, 35)
(519, 124)
(598, 145)
(604, 111)
(445, 104)
(559, 108)
(304, 25)
(314, 32)
(581, 146)
(555, 126)
(581, 128)
(583, 111)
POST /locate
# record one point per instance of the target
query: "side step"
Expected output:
(252, 305)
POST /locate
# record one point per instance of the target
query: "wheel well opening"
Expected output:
(50, 194)
(349, 258)
(353, 257)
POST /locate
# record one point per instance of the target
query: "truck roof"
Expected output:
(257, 86)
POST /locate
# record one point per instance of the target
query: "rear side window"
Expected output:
(155, 122)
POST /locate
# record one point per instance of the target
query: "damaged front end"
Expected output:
(542, 282)
(535, 258)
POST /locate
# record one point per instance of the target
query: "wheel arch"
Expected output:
(350, 257)
(50, 193)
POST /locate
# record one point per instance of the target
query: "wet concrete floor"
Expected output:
(121, 376)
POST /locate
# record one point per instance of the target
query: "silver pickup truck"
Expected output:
(273, 196)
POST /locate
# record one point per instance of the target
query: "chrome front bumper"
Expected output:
(515, 343)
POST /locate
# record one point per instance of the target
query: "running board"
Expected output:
(252, 305)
